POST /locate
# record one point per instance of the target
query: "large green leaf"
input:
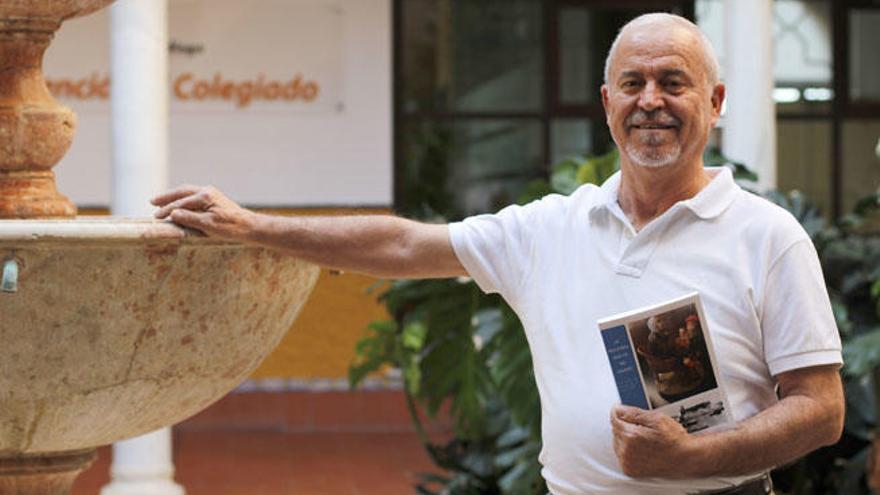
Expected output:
(862, 353)
(374, 351)
(564, 177)
(861, 408)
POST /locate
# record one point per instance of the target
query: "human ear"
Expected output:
(718, 94)
(604, 91)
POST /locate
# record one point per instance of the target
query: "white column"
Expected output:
(749, 134)
(139, 102)
(143, 466)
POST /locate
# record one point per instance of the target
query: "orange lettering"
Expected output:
(201, 90)
(226, 90)
(310, 91)
(289, 90)
(272, 90)
(104, 88)
(244, 93)
(215, 84)
(78, 88)
(178, 85)
(187, 86)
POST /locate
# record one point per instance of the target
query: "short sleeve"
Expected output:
(496, 250)
(797, 321)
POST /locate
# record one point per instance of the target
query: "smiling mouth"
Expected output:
(653, 126)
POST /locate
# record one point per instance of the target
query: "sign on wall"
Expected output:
(278, 102)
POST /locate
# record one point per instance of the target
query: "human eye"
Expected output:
(673, 85)
(629, 84)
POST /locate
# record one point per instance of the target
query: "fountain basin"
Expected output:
(57, 10)
(119, 327)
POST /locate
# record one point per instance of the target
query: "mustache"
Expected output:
(661, 117)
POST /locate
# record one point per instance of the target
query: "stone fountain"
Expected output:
(109, 328)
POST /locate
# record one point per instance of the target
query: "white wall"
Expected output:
(336, 150)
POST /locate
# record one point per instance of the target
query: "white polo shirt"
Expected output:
(563, 263)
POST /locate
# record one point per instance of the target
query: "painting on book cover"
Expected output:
(676, 367)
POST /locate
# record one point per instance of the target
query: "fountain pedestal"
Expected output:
(35, 130)
(43, 475)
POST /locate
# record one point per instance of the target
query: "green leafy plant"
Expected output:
(458, 347)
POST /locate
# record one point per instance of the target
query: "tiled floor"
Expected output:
(267, 463)
(230, 451)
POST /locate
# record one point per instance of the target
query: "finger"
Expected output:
(623, 429)
(615, 425)
(174, 194)
(618, 445)
(628, 413)
(166, 210)
(652, 419)
(190, 219)
(195, 202)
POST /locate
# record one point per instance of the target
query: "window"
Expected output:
(827, 95)
(863, 40)
(857, 112)
(490, 93)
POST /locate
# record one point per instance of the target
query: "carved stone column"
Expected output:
(35, 130)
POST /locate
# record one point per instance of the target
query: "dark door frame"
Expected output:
(842, 107)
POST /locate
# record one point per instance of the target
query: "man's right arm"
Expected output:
(378, 245)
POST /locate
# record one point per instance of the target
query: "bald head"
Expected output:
(668, 23)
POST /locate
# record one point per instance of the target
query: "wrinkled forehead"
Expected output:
(658, 46)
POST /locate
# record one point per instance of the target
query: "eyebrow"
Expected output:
(674, 72)
(663, 74)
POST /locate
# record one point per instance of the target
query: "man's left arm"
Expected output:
(809, 415)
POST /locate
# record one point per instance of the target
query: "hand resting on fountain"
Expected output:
(206, 209)
(378, 245)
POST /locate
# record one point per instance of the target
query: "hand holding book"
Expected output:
(648, 443)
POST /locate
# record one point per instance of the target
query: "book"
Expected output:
(662, 358)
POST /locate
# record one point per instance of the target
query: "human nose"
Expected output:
(650, 98)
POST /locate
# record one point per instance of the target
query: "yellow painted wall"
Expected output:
(321, 342)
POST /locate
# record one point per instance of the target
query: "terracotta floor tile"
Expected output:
(257, 410)
(382, 410)
(271, 463)
(387, 409)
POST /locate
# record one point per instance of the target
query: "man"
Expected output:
(662, 227)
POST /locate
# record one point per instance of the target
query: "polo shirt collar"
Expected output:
(716, 196)
(710, 202)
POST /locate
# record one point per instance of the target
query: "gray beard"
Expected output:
(651, 155)
(652, 158)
